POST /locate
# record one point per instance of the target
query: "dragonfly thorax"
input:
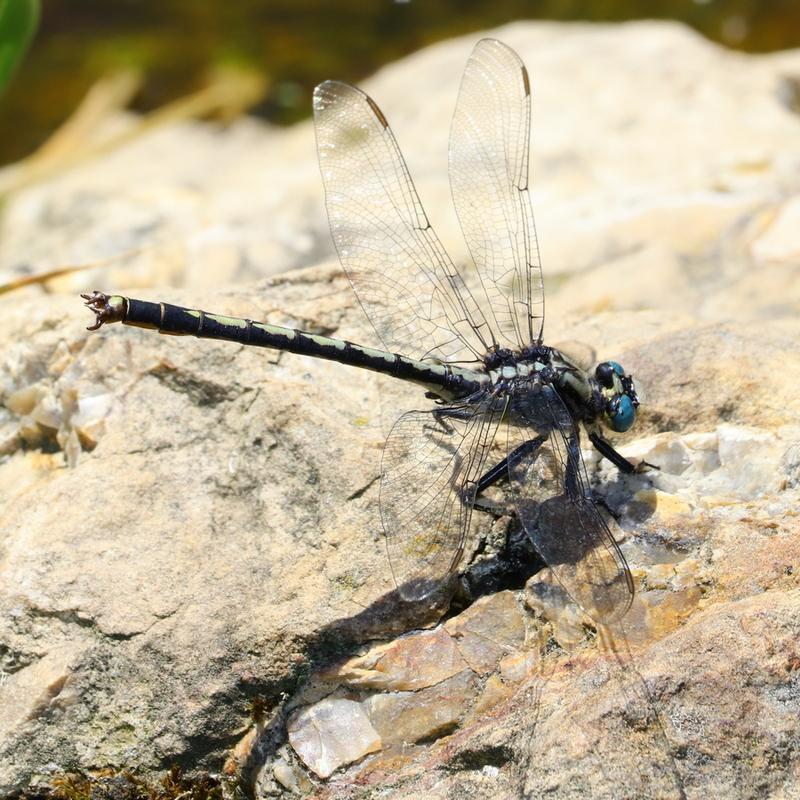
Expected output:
(498, 357)
(505, 366)
(606, 394)
(506, 376)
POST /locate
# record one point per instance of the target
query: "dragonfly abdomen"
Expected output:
(444, 380)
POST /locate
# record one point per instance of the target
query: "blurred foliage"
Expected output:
(18, 20)
(297, 43)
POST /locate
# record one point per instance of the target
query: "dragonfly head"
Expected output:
(618, 395)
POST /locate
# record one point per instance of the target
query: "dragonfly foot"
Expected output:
(105, 309)
(599, 500)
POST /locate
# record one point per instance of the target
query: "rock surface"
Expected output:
(215, 537)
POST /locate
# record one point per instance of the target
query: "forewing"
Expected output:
(579, 353)
(489, 142)
(404, 279)
(554, 505)
(428, 474)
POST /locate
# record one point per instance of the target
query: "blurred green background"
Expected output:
(297, 43)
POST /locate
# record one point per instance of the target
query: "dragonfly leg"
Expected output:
(441, 416)
(603, 446)
(497, 473)
(494, 507)
(572, 470)
(599, 500)
(572, 476)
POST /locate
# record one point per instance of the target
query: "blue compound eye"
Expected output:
(622, 414)
(617, 367)
(605, 374)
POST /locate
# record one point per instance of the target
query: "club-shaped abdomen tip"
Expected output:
(107, 308)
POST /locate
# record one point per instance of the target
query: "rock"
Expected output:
(488, 630)
(183, 225)
(410, 662)
(408, 717)
(420, 687)
(186, 526)
(331, 733)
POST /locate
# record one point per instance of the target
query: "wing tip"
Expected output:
(508, 51)
(327, 92)
(320, 96)
(376, 110)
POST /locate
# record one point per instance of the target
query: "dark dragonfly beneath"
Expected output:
(475, 348)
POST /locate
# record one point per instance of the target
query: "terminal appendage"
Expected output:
(107, 308)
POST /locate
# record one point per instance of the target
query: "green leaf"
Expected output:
(18, 20)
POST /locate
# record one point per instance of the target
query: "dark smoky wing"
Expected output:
(428, 472)
(554, 504)
(489, 146)
(405, 281)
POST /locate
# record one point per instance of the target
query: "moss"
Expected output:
(111, 785)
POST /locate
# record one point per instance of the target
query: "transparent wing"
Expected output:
(554, 504)
(428, 474)
(405, 281)
(579, 353)
(489, 142)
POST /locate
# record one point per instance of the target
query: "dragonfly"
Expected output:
(475, 346)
